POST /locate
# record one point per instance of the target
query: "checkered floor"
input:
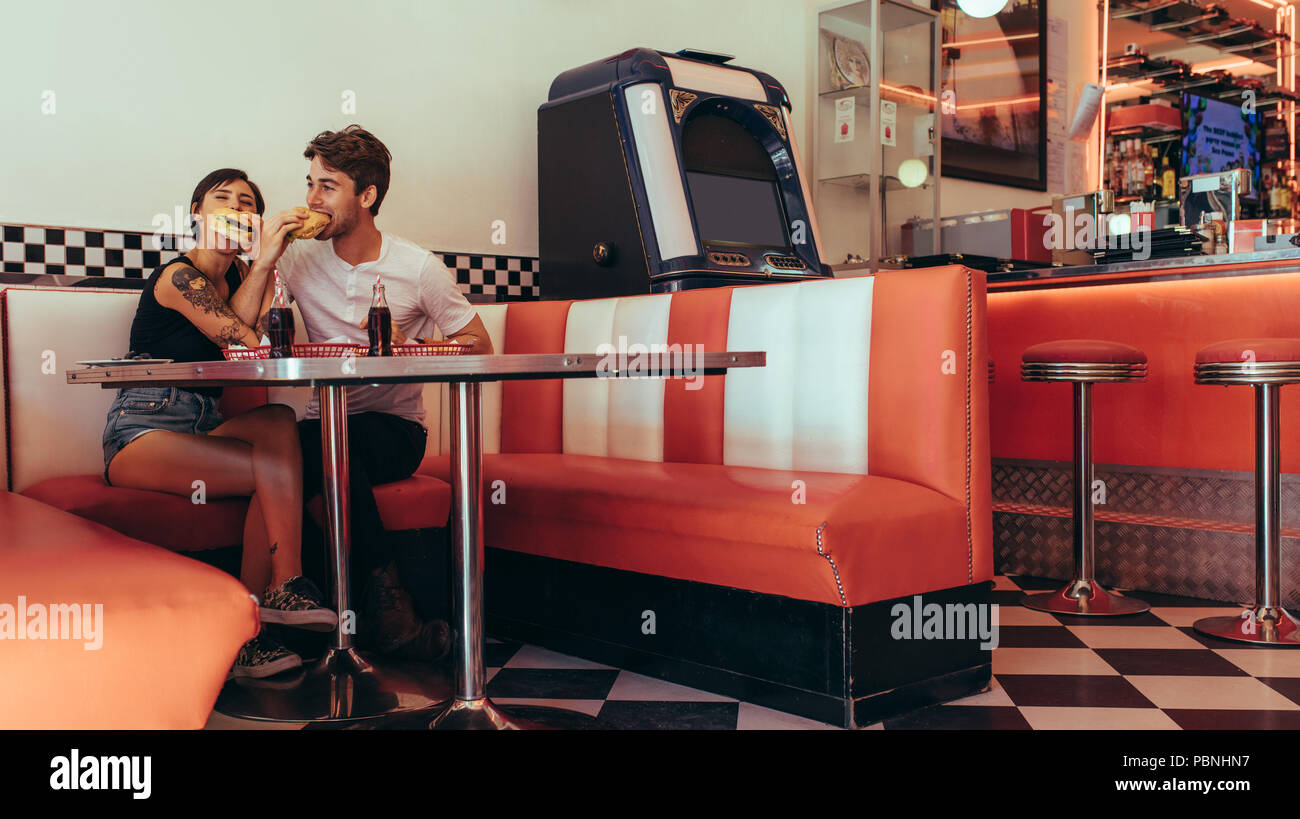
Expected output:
(1148, 671)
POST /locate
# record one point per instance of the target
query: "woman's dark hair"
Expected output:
(216, 179)
(220, 177)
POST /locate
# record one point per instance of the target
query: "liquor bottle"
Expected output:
(1112, 177)
(1148, 172)
(1134, 169)
(380, 323)
(279, 322)
(1168, 182)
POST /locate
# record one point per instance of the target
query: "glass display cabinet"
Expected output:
(877, 131)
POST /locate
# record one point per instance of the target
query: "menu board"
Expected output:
(1219, 136)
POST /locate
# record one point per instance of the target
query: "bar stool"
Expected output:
(1083, 362)
(1266, 364)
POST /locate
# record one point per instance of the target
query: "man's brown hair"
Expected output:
(357, 153)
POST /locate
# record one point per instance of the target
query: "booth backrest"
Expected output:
(52, 428)
(55, 428)
(864, 375)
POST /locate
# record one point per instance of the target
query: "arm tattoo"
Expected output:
(260, 326)
(229, 335)
(198, 291)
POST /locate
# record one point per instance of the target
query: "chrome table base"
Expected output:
(343, 685)
(471, 709)
(1084, 597)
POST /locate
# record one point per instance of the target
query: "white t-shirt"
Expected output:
(334, 298)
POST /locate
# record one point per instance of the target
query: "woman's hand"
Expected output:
(274, 233)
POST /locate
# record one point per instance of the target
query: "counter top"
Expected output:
(1182, 267)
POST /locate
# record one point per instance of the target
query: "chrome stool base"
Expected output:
(343, 685)
(1086, 599)
(1273, 626)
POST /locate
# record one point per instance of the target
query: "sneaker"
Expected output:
(297, 602)
(431, 643)
(261, 657)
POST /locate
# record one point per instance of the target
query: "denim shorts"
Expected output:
(138, 410)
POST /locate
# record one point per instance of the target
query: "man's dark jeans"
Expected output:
(382, 448)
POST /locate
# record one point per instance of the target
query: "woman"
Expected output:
(167, 438)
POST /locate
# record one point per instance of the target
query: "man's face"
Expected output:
(332, 192)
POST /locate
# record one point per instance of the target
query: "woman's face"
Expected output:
(235, 194)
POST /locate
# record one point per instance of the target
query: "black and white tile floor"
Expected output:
(1148, 671)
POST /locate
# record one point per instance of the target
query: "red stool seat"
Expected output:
(1083, 351)
(1250, 349)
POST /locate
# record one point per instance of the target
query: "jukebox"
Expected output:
(661, 172)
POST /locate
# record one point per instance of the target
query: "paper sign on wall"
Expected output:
(844, 108)
(888, 123)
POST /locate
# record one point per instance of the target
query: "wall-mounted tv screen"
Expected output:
(1220, 136)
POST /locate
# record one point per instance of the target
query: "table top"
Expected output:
(317, 372)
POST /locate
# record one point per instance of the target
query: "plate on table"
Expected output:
(117, 362)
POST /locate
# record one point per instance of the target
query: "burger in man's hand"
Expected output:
(314, 224)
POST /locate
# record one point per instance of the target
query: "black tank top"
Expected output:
(165, 333)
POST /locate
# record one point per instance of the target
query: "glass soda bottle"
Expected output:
(279, 322)
(380, 323)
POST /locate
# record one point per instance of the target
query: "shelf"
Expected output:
(1149, 136)
(862, 182)
(1176, 76)
(1208, 25)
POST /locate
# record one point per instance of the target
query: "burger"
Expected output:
(315, 223)
(237, 226)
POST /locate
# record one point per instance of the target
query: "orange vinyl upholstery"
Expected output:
(531, 420)
(169, 631)
(915, 518)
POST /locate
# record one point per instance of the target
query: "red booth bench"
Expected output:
(52, 453)
(751, 534)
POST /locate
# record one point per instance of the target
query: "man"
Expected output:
(332, 278)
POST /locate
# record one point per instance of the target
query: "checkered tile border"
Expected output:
(36, 249)
(509, 278)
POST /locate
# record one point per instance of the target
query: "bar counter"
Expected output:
(1174, 507)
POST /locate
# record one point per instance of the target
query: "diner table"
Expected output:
(347, 684)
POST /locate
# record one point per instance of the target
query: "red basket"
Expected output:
(327, 350)
(246, 353)
(431, 348)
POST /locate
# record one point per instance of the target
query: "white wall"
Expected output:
(151, 95)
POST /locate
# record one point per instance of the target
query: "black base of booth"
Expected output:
(827, 663)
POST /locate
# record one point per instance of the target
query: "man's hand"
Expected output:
(398, 337)
(475, 335)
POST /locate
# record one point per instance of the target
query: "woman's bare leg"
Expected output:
(272, 431)
(255, 565)
(256, 453)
